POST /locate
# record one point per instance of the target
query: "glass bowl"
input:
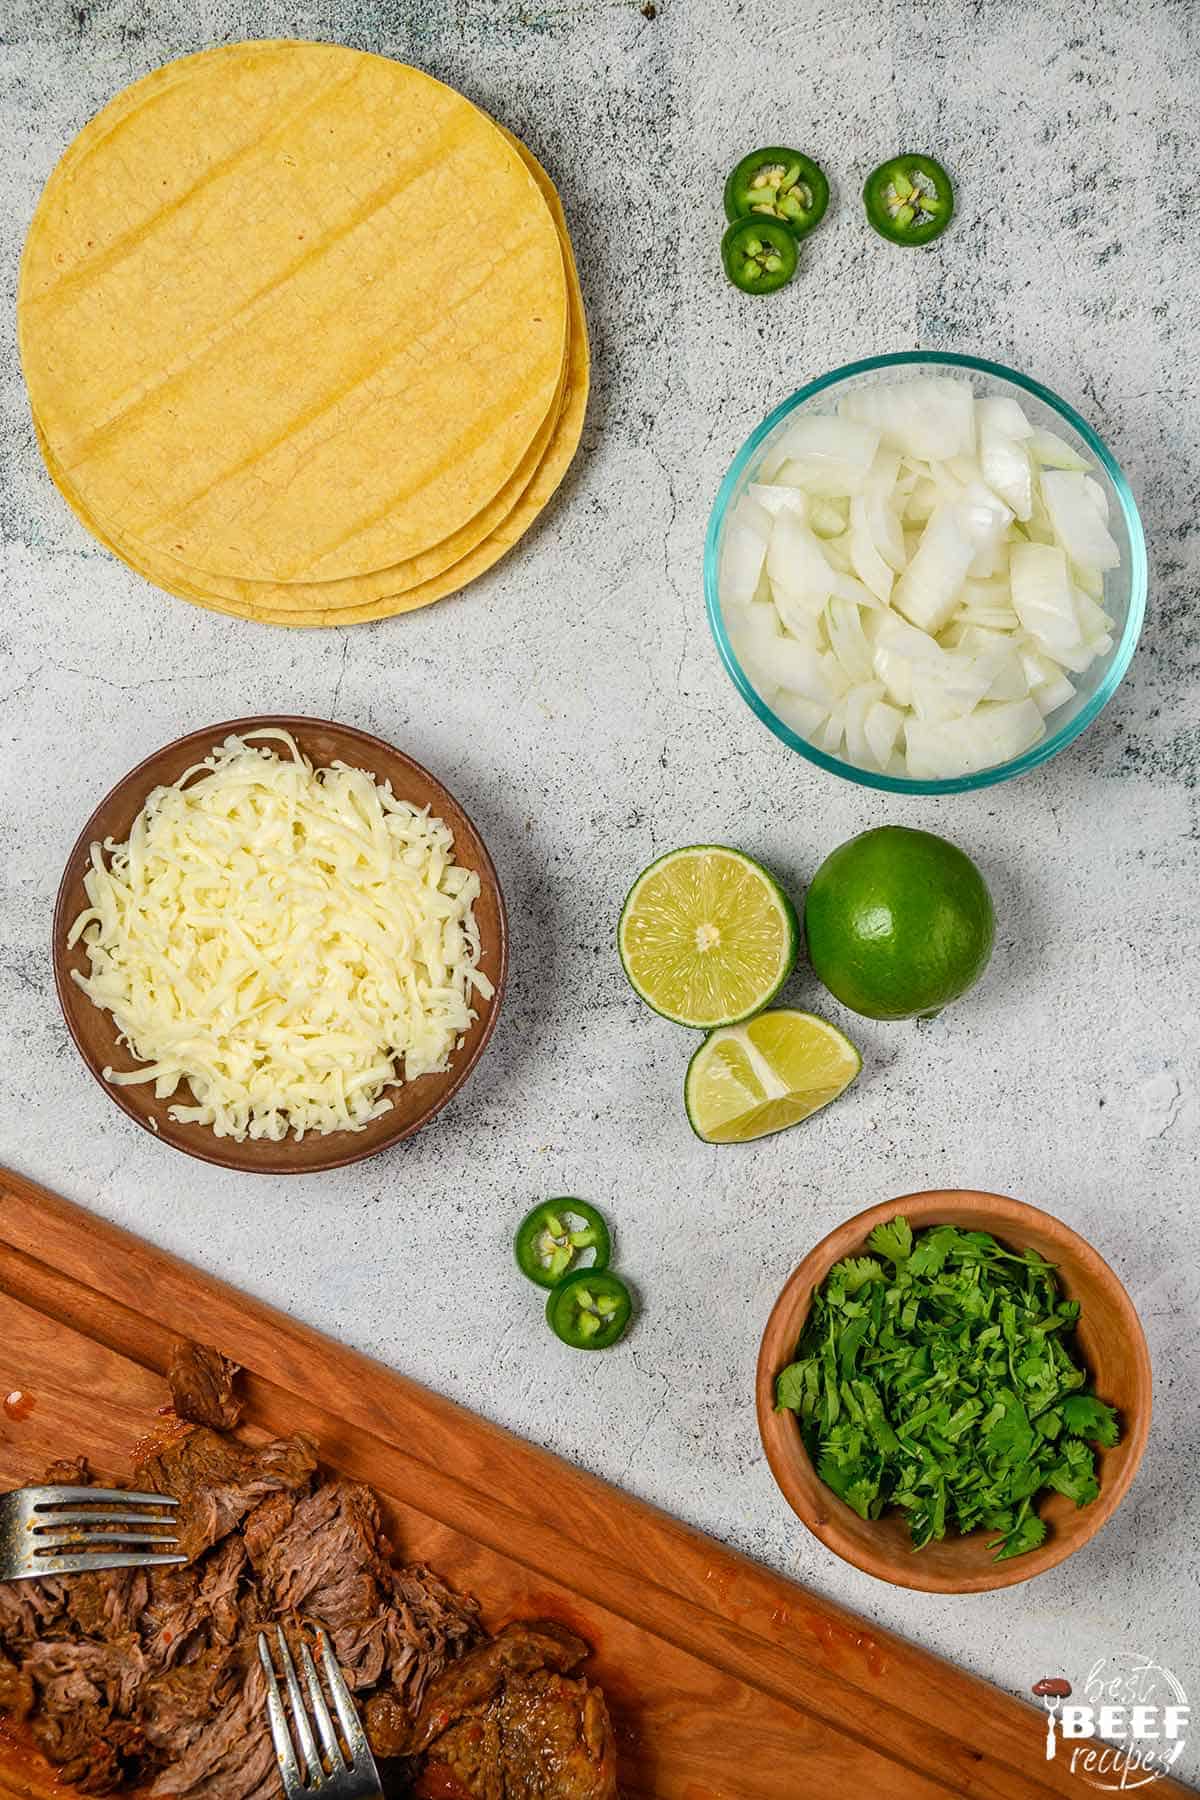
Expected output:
(1124, 588)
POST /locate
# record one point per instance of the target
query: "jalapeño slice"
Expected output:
(759, 255)
(778, 184)
(909, 199)
(560, 1237)
(590, 1310)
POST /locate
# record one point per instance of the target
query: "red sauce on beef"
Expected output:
(437, 1782)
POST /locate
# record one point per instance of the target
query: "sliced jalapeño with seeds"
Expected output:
(561, 1237)
(909, 199)
(590, 1310)
(759, 255)
(778, 184)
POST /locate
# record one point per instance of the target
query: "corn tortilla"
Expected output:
(562, 448)
(278, 365)
(179, 577)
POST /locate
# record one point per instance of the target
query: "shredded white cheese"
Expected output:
(290, 942)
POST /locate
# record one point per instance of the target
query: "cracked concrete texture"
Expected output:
(573, 701)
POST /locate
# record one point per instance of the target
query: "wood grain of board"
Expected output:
(726, 1681)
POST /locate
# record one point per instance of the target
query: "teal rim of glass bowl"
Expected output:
(1119, 657)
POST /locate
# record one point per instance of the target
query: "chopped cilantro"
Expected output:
(893, 1240)
(932, 1375)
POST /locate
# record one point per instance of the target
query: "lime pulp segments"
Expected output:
(747, 1081)
(707, 936)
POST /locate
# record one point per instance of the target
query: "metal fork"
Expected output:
(47, 1531)
(333, 1772)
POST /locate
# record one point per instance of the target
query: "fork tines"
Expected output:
(61, 1495)
(343, 1769)
(71, 1530)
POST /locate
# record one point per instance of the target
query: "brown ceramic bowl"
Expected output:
(94, 1032)
(1109, 1337)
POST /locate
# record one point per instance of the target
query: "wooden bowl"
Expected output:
(1109, 1337)
(414, 1103)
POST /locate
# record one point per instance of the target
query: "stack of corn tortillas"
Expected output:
(302, 333)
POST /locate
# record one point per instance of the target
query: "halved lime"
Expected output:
(747, 1081)
(707, 936)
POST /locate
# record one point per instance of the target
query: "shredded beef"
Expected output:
(519, 1649)
(201, 1383)
(84, 1698)
(177, 1703)
(150, 1678)
(30, 1610)
(505, 1723)
(218, 1481)
(232, 1756)
(328, 1559)
(16, 1690)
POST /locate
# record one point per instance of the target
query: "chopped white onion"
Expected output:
(932, 418)
(882, 519)
(805, 717)
(829, 456)
(1053, 693)
(950, 693)
(1097, 496)
(827, 518)
(999, 412)
(865, 558)
(832, 732)
(927, 592)
(991, 734)
(1053, 452)
(796, 619)
(848, 642)
(743, 553)
(755, 635)
(848, 587)
(922, 498)
(896, 673)
(1003, 452)
(883, 725)
(911, 583)
(998, 659)
(796, 565)
(801, 670)
(775, 499)
(1044, 599)
(836, 551)
(860, 701)
(1076, 523)
(985, 521)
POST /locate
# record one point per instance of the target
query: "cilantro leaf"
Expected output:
(1075, 1479)
(790, 1387)
(1026, 1535)
(933, 1247)
(1086, 1417)
(893, 1240)
(855, 1272)
(1010, 1434)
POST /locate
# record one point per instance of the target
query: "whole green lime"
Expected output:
(899, 923)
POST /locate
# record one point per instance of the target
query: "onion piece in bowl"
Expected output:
(930, 551)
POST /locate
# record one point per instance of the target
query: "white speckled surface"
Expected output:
(573, 701)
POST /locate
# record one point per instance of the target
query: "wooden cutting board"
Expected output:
(726, 1681)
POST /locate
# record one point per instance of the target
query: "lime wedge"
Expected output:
(746, 1081)
(707, 936)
